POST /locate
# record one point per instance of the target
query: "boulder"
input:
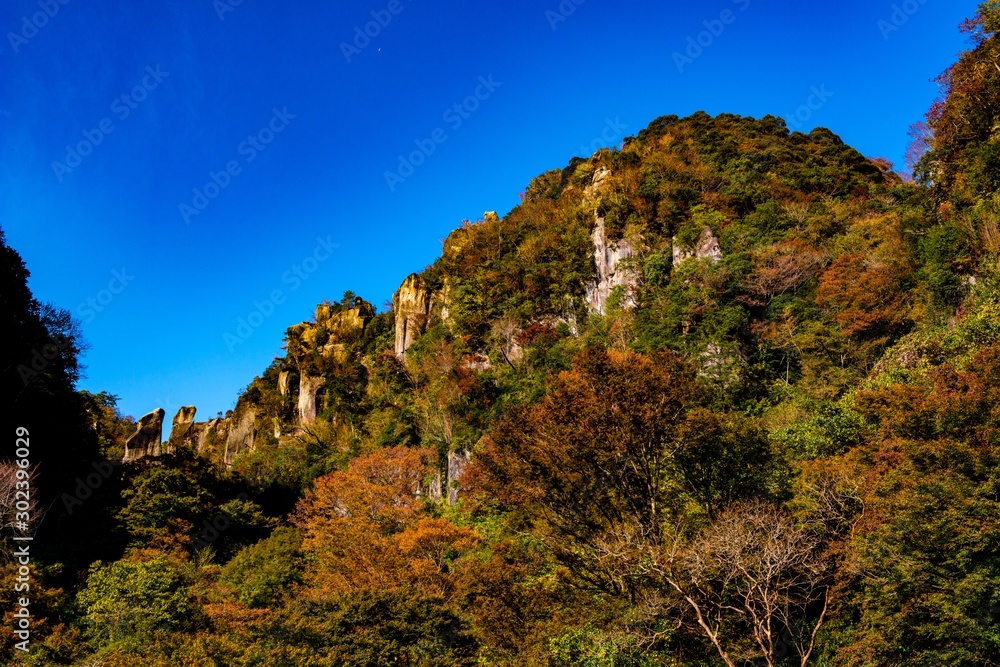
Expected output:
(147, 437)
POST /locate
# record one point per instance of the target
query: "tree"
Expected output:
(721, 458)
(17, 499)
(263, 573)
(133, 599)
(754, 569)
(612, 457)
(38, 369)
(368, 528)
(161, 503)
(590, 460)
(380, 628)
(964, 160)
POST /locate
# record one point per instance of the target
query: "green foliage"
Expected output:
(382, 629)
(132, 601)
(262, 574)
(830, 429)
(589, 647)
(161, 500)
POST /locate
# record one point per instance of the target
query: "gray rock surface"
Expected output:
(147, 437)
(308, 388)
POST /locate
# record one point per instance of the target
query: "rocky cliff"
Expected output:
(411, 306)
(612, 269)
(146, 441)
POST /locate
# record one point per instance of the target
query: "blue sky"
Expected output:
(167, 168)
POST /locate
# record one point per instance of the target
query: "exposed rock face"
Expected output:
(308, 387)
(336, 321)
(283, 383)
(200, 432)
(241, 437)
(599, 176)
(457, 463)
(475, 362)
(147, 437)
(446, 482)
(181, 428)
(707, 247)
(342, 321)
(441, 300)
(569, 315)
(411, 305)
(607, 256)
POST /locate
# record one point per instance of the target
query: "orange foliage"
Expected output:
(867, 296)
(368, 528)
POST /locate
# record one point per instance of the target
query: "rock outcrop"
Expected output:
(200, 432)
(608, 256)
(457, 463)
(147, 437)
(446, 482)
(334, 324)
(181, 429)
(241, 437)
(340, 321)
(283, 383)
(308, 388)
(411, 306)
(706, 247)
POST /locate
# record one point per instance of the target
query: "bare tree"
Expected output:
(754, 568)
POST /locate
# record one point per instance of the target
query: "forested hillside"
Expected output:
(725, 395)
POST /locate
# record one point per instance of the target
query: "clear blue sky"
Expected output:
(159, 339)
